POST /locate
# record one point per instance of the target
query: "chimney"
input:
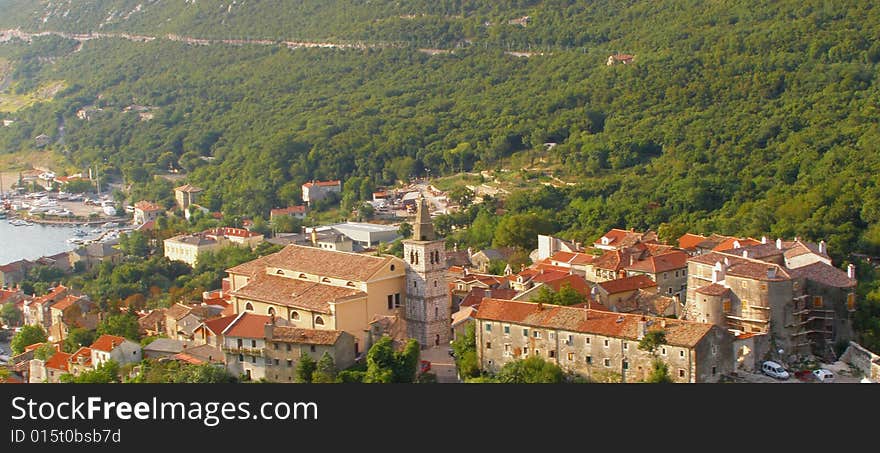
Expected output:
(631, 260)
(779, 243)
(717, 272)
(269, 328)
(745, 253)
(851, 271)
(470, 252)
(736, 244)
(763, 239)
(663, 323)
(643, 328)
(822, 247)
(314, 236)
(771, 272)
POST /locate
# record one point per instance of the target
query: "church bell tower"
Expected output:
(428, 312)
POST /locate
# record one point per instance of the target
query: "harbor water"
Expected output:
(34, 241)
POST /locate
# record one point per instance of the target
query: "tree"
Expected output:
(106, 373)
(325, 373)
(659, 373)
(121, 324)
(27, 336)
(45, 352)
(652, 340)
(461, 195)
(532, 370)
(521, 231)
(77, 338)
(305, 368)
(465, 349)
(134, 244)
(565, 296)
(405, 230)
(10, 314)
(380, 362)
(407, 362)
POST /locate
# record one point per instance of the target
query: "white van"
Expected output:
(774, 369)
(823, 375)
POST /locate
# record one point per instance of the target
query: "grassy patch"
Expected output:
(10, 103)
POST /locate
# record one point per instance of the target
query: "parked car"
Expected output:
(774, 370)
(823, 375)
(424, 366)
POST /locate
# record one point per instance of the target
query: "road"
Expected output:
(442, 364)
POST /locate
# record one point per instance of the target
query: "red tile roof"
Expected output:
(825, 274)
(315, 261)
(247, 325)
(308, 295)
(617, 325)
(690, 241)
(743, 267)
(63, 304)
(627, 284)
(107, 343)
(713, 289)
(58, 361)
(148, 206)
(285, 334)
(474, 297)
(575, 282)
(184, 357)
(730, 244)
(229, 231)
(217, 325)
(188, 188)
(661, 263)
(551, 275)
(82, 352)
(321, 183)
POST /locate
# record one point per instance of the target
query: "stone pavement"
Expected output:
(442, 364)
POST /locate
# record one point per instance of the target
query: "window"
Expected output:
(552, 354)
(537, 334)
(488, 345)
(312, 348)
(396, 300)
(288, 347)
(253, 359)
(681, 372)
(525, 332)
(713, 371)
(589, 360)
(669, 290)
(817, 301)
(302, 276)
(851, 301)
(551, 336)
(240, 343)
(537, 351)
(625, 346)
(625, 365)
(714, 349)
(392, 268)
(279, 272)
(241, 357)
(390, 302)
(525, 351)
(606, 343)
(248, 307)
(743, 284)
(663, 351)
(506, 349)
(488, 327)
(276, 346)
(571, 357)
(271, 311)
(665, 275)
(436, 312)
(294, 316)
(289, 363)
(319, 321)
(725, 305)
(435, 283)
(587, 341)
(681, 354)
(607, 363)
(276, 362)
(676, 273)
(349, 284)
(506, 330)
(570, 340)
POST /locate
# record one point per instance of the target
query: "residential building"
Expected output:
(80, 361)
(619, 58)
(202, 354)
(145, 211)
(112, 347)
(787, 289)
(211, 330)
(152, 323)
(428, 308)
(188, 247)
(69, 313)
(616, 239)
(612, 292)
(549, 245)
(49, 370)
(668, 270)
(181, 321)
(366, 235)
(163, 348)
(37, 312)
(298, 212)
(321, 237)
(599, 345)
(320, 289)
(316, 190)
(483, 259)
(187, 195)
(96, 253)
(14, 273)
(260, 347)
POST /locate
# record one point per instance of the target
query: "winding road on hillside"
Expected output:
(11, 34)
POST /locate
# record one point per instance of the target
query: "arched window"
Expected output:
(392, 268)
(417, 258)
(325, 280)
(302, 276)
(350, 284)
(248, 307)
(294, 316)
(435, 283)
(271, 311)
(279, 272)
(319, 321)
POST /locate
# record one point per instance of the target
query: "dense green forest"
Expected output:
(735, 117)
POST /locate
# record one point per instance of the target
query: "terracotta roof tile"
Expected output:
(743, 267)
(824, 274)
(247, 325)
(617, 325)
(107, 343)
(217, 325)
(627, 284)
(315, 261)
(713, 289)
(58, 361)
(690, 241)
(575, 282)
(661, 263)
(85, 352)
(730, 243)
(178, 311)
(66, 302)
(148, 206)
(646, 303)
(284, 334)
(307, 295)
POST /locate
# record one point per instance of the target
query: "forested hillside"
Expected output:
(737, 117)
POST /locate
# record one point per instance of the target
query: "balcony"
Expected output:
(258, 352)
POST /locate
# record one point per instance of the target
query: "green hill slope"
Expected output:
(735, 117)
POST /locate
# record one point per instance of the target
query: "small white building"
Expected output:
(112, 347)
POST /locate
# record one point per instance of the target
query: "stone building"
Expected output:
(600, 345)
(668, 270)
(320, 289)
(428, 309)
(259, 347)
(315, 190)
(788, 290)
(187, 195)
